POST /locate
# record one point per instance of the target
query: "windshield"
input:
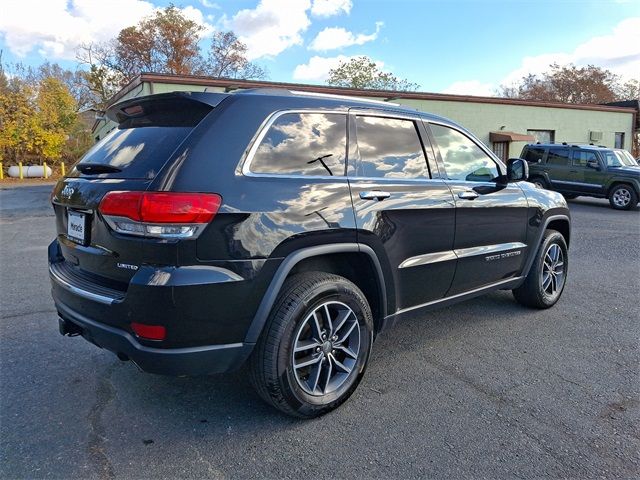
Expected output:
(626, 158)
(618, 158)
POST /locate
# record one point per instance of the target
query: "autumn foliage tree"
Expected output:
(166, 42)
(38, 117)
(363, 72)
(569, 84)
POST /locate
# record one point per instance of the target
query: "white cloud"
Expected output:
(332, 38)
(618, 52)
(328, 8)
(57, 27)
(208, 4)
(470, 87)
(271, 27)
(317, 68)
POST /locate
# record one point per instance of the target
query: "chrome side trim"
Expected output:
(580, 184)
(428, 258)
(500, 247)
(78, 291)
(491, 286)
(447, 255)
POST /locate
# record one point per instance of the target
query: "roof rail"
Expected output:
(346, 97)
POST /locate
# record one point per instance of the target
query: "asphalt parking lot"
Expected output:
(483, 389)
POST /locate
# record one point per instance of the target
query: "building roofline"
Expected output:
(231, 83)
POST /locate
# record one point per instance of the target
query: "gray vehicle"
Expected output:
(589, 170)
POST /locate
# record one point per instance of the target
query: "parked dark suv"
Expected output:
(288, 230)
(590, 170)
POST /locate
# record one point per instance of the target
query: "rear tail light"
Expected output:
(149, 332)
(159, 214)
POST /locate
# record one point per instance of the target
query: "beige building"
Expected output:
(506, 125)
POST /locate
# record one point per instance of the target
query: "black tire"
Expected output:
(537, 290)
(539, 182)
(623, 197)
(569, 196)
(272, 362)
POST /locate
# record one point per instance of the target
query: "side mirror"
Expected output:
(517, 170)
(593, 164)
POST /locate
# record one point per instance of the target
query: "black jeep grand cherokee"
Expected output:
(287, 230)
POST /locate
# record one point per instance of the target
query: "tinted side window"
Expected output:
(558, 156)
(389, 148)
(533, 154)
(581, 157)
(463, 159)
(303, 144)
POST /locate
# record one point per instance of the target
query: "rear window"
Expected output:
(150, 129)
(137, 152)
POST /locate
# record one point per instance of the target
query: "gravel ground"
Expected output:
(483, 389)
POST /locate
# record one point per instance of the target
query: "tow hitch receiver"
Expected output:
(69, 328)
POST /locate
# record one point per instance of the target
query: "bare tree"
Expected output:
(228, 58)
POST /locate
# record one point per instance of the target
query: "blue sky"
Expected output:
(467, 47)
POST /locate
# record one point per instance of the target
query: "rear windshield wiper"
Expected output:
(97, 168)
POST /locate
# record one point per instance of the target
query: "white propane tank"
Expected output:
(29, 171)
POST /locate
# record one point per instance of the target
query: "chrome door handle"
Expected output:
(374, 195)
(468, 195)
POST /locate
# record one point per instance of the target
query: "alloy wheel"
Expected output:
(326, 348)
(621, 197)
(553, 270)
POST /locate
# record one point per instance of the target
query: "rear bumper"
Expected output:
(201, 360)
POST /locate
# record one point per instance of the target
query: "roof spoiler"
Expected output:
(165, 109)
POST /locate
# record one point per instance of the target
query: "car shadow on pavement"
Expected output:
(221, 404)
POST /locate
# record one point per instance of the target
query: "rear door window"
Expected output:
(582, 157)
(558, 157)
(389, 148)
(303, 144)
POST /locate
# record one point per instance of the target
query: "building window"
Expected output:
(543, 136)
(501, 149)
(619, 142)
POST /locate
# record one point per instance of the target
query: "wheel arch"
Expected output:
(615, 182)
(559, 222)
(345, 259)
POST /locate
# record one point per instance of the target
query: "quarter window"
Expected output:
(303, 144)
(558, 156)
(534, 154)
(463, 159)
(389, 148)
